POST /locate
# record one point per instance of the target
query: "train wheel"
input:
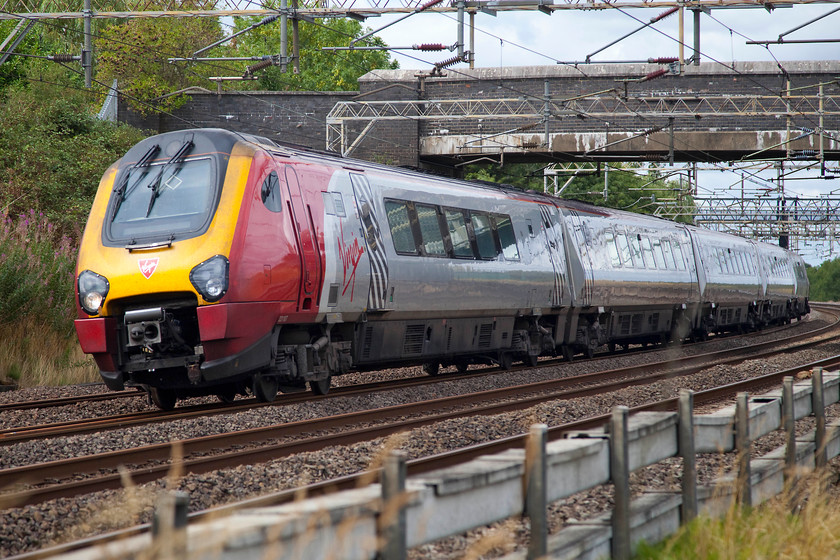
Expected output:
(588, 351)
(265, 388)
(431, 368)
(568, 355)
(462, 367)
(611, 347)
(505, 360)
(531, 360)
(226, 396)
(321, 387)
(164, 399)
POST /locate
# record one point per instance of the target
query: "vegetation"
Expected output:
(825, 281)
(769, 531)
(636, 189)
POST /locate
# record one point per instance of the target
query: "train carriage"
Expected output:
(222, 263)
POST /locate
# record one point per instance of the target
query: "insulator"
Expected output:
(63, 58)
(663, 60)
(259, 66)
(428, 5)
(654, 75)
(448, 62)
(430, 47)
(268, 19)
(664, 14)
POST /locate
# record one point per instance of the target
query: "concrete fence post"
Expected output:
(535, 491)
(620, 475)
(743, 447)
(789, 422)
(688, 509)
(392, 522)
(169, 525)
(818, 405)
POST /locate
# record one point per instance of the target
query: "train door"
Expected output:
(579, 230)
(554, 235)
(310, 260)
(379, 297)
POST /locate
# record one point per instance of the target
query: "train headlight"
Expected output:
(210, 278)
(92, 291)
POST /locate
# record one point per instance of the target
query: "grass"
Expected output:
(772, 530)
(36, 355)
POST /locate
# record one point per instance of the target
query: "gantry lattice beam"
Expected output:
(62, 9)
(526, 113)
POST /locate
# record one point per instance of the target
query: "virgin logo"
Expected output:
(148, 266)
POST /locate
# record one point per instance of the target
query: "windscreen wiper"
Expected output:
(176, 158)
(121, 191)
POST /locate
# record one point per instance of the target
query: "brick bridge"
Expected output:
(604, 112)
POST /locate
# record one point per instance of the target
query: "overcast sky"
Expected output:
(534, 38)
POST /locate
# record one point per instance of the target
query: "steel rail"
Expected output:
(18, 434)
(434, 462)
(457, 406)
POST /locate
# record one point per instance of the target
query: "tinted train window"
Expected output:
(636, 251)
(270, 193)
(647, 252)
(669, 256)
(613, 249)
(623, 250)
(678, 256)
(458, 234)
(659, 255)
(400, 227)
(430, 234)
(484, 236)
(504, 228)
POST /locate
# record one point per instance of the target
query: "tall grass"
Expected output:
(37, 270)
(768, 531)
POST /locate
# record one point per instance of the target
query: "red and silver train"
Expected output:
(222, 263)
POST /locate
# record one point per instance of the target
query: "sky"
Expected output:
(533, 38)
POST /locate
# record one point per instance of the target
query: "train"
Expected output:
(221, 263)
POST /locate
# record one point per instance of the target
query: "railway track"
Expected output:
(152, 462)
(82, 426)
(430, 463)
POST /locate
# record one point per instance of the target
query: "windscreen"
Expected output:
(163, 199)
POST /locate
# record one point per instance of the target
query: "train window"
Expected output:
(647, 252)
(658, 254)
(636, 251)
(669, 255)
(401, 233)
(484, 236)
(458, 234)
(678, 255)
(507, 238)
(432, 239)
(615, 260)
(270, 193)
(624, 249)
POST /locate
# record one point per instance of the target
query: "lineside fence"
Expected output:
(382, 521)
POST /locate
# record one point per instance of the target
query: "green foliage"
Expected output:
(641, 190)
(825, 281)
(319, 70)
(53, 153)
(136, 53)
(36, 272)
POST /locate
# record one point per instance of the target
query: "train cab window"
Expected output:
(678, 256)
(624, 249)
(270, 193)
(458, 234)
(647, 252)
(615, 260)
(432, 239)
(484, 236)
(504, 228)
(401, 233)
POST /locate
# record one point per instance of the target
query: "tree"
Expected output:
(136, 53)
(637, 189)
(319, 70)
(825, 281)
